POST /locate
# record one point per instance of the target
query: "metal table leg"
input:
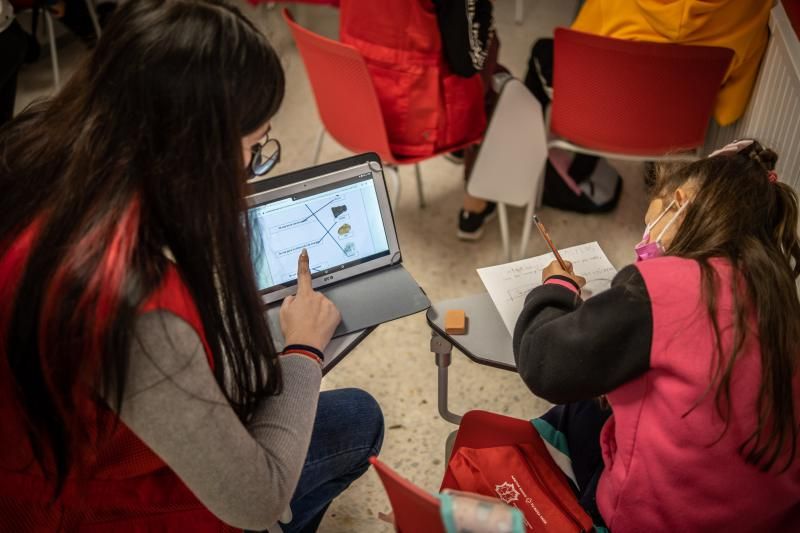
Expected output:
(443, 351)
(448, 446)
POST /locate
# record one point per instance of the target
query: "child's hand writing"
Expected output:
(554, 269)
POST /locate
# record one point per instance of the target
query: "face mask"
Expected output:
(648, 249)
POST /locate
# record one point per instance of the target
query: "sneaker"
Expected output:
(470, 225)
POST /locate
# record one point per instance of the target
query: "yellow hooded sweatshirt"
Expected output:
(740, 25)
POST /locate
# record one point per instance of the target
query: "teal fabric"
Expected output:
(449, 522)
(551, 435)
(557, 440)
(519, 522)
(446, 509)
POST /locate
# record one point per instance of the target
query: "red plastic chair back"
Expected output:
(482, 429)
(633, 97)
(342, 86)
(415, 510)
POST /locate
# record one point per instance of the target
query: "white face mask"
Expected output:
(648, 249)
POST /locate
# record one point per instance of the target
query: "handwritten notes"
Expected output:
(509, 284)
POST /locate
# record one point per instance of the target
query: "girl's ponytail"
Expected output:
(784, 217)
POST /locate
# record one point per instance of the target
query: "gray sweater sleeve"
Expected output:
(244, 475)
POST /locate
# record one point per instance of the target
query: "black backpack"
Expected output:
(581, 183)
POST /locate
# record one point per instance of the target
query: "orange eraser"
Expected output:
(455, 322)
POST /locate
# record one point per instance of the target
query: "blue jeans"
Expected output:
(348, 430)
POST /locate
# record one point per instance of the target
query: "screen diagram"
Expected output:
(337, 227)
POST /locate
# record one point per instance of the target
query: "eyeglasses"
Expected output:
(265, 156)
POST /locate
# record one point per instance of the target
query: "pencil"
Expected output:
(549, 242)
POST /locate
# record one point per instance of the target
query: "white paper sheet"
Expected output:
(509, 284)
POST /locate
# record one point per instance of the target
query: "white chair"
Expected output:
(511, 161)
(51, 37)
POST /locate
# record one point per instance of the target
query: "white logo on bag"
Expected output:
(507, 492)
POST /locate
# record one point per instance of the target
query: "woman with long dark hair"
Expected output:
(695, 349)
(139, 384)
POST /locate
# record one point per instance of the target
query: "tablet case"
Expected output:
(369, 299)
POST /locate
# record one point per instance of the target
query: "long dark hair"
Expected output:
(741, 214)
(139, 153)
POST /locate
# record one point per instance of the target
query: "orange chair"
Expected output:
(346, 99)
(417, 510)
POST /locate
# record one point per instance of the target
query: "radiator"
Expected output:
(773, 113)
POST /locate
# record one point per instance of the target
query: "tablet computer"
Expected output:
(339, 212)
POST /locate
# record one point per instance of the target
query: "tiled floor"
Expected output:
(394, 363)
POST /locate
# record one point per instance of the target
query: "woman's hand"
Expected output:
(309, 317)
(554, 269)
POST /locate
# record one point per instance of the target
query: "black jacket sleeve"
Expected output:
(467, 30)
(569, 350)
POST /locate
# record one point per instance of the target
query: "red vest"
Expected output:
(426, 108)
(130, 489)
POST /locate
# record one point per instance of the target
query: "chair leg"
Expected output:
(320, 138)
(503, 216)
(518, 12)
(448, 446)
(51, 36)
(420, 191)
(394, 188)
(526, 227)
(93, 16)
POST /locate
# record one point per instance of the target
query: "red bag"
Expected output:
(526, 477)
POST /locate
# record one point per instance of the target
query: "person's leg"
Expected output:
(580, 424)
(13, 42)
(475, 212)
(348, 430)
(471, 203)
(540, 71)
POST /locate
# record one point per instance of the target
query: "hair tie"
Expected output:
(772, 176)
(732, 148)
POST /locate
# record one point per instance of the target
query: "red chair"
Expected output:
(346, 99)
(611, 98)
(417, 510)
(632, 99)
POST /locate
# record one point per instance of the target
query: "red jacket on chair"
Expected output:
(426, 107)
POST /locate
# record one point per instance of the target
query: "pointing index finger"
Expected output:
(303, 273)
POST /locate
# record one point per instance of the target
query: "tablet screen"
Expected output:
(340, 225)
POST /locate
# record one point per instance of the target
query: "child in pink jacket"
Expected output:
(695, 349)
